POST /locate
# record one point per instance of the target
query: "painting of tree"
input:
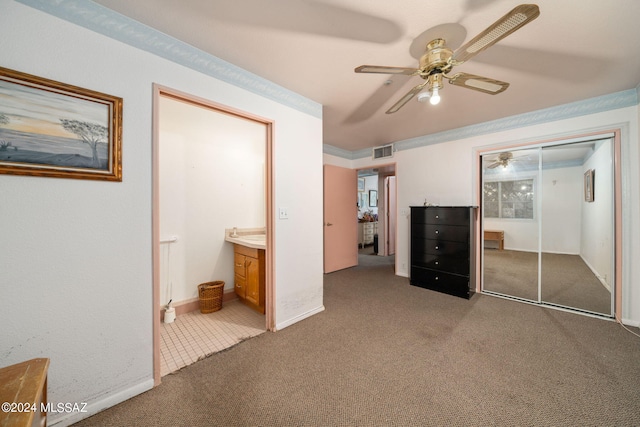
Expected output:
(89, 133)
(54, 129)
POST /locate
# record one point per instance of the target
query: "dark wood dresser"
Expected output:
(443, 249)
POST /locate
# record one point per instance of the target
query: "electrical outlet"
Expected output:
(284, 213)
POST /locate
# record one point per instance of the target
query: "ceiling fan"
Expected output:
(503, 160)
(438, 60)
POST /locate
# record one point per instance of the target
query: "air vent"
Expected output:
(383, 152)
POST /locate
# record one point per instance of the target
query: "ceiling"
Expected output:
(575, 50)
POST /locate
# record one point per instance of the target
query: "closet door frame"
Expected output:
(615, 135)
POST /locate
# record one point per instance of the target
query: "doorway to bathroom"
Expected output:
(211, 173)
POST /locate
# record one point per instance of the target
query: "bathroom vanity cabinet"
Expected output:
(249, 276)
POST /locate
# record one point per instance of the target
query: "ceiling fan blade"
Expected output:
(481, 84)
(413, 92)
(386, 70)
(493, 165)
(512, 21)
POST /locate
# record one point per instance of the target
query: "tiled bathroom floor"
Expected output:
(194, 335)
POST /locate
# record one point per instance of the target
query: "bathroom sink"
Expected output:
(255, 237)
(251, 240)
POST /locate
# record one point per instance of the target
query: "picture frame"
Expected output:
(364, 202)
(373, 198)
(589, 195)
(53, 129)
(360, 184)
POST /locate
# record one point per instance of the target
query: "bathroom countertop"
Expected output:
(250, 237)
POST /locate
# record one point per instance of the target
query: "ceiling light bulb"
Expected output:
(435, 97)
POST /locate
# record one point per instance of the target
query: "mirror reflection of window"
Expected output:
(509, 199)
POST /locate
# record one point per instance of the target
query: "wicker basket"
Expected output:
(210, 295)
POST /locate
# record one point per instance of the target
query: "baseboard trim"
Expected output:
(187, 306)
(595, 273)
(296, 319)
(97, 406)
(629, 322)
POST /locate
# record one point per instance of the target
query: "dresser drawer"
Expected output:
(453, 216)
(440, 247)
(441, 215)
(442, 263)
(454, 233)
(452, 284)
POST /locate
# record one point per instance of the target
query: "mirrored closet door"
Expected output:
(548, 225)
(511, 224)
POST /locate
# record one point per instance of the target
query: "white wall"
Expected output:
(426, 173)
(336, 161)
(76, 275)
(562, 198)
(597, 218)
(212, 177)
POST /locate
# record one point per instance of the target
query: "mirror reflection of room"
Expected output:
(367, 210)
(548, 225)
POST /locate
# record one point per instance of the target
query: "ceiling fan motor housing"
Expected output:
(437, 58)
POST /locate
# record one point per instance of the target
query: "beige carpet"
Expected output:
(566, 279)
(385, 353)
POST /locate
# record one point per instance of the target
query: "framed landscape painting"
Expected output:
(588, 185)
(53, 129)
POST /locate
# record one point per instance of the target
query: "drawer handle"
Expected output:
(238, 265)
(437, 277)
(437, 216)
(437, 232)
(437, 262)
(437, 247)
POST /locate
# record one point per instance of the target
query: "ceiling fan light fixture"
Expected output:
(432, 94)
(434, 99)
(435, 84)
(423, 96)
